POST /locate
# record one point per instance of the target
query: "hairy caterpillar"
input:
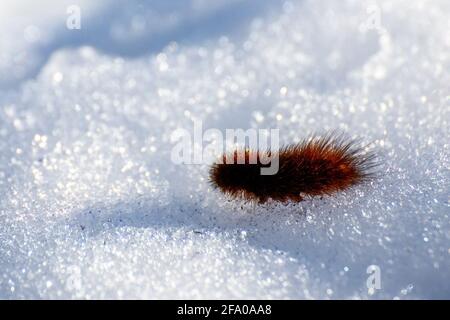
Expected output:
(313, 167)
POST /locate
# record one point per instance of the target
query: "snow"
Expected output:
(91, 205)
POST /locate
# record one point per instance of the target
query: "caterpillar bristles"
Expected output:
(313, 167)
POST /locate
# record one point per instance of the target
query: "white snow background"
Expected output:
(92, 207)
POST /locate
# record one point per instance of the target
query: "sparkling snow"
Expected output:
(92, 207)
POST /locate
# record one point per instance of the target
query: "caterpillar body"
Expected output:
(313, 167)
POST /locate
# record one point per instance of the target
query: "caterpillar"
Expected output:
(313, 167)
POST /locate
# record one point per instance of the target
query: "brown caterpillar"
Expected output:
(314, 167)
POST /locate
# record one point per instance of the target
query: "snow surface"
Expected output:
(92, 207)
